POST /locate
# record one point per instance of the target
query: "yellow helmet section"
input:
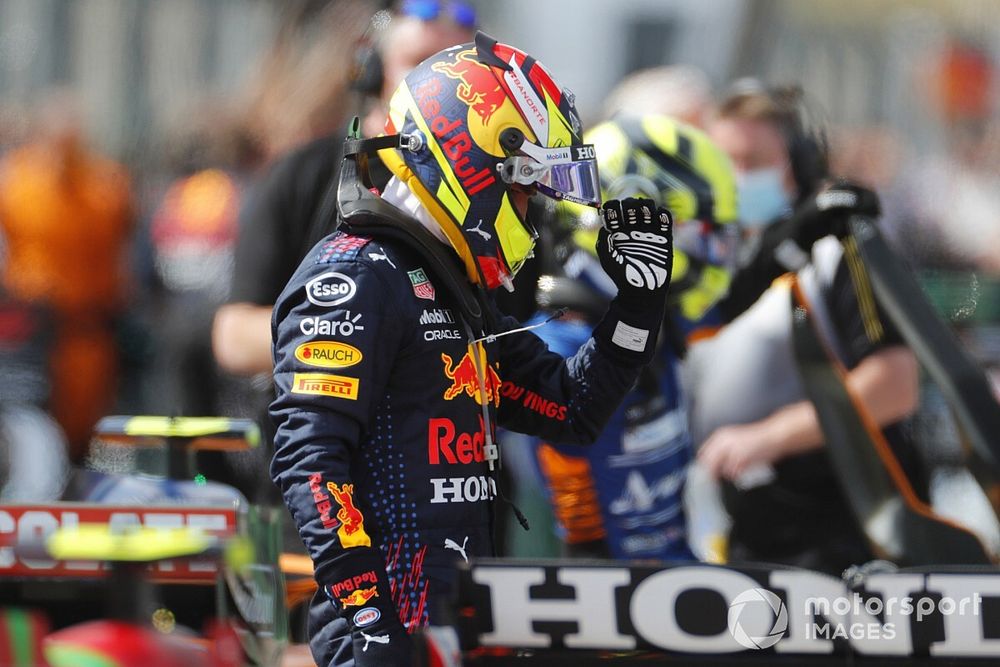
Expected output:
(395, 164)
(488, 136)
(450, 205)
(560, 132)
(514, 239)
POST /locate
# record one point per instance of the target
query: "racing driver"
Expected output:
(393, 366)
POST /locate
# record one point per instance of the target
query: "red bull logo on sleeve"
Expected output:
(352, 523)
(353, 583)
(465, 378)
(359, 597)
(322, 502)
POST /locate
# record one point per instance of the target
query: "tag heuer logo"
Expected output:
(422, 287)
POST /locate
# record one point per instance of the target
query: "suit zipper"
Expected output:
(491, 451)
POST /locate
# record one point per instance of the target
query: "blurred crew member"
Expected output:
(284, 214)
(757, 430)
(65, 216)
(393, 364)
(682, 92)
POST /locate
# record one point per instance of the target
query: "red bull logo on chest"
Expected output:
(465, 378)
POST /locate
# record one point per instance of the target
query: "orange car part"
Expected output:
(574, 495)
(882, 448)
(300, 585)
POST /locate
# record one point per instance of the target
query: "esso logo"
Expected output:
(330, 289)
(366, 617)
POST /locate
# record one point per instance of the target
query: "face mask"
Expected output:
(762, 196)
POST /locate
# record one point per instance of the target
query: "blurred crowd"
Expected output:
(122, 284)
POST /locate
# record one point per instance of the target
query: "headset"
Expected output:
(805, 137)
(366, 75)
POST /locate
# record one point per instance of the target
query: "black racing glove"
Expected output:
(827, 211)
(636, 250)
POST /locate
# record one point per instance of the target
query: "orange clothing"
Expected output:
(65, 230)
(65, 224)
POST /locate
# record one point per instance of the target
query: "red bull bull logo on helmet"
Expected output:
(352, 523)
(479, 88)
(453, 133)
(465, 378)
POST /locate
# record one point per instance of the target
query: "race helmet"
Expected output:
(678, 167)
(488, 118)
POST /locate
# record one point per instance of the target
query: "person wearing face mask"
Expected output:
(786, 201)
(755, 429)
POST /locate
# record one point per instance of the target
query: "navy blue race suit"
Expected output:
(380, 430)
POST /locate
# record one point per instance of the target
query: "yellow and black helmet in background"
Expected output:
(679, 167)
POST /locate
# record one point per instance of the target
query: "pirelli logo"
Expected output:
(322, 384)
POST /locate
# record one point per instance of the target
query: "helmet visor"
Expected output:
(568, 173)
(576, 182)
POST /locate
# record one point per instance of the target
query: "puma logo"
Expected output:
(374, 256)
(452, 544)
(378, 639)
(477, 229)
